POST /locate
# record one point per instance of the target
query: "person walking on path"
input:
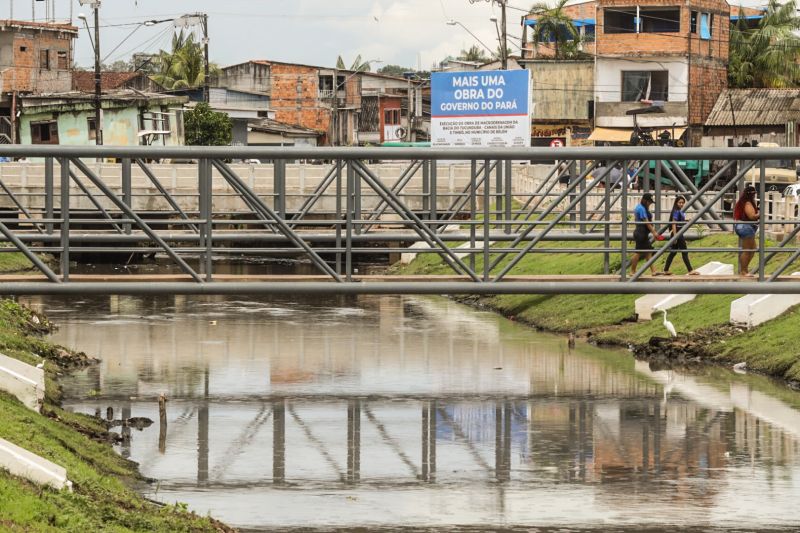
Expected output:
(677, 218)
(746, 214)
(641, 235)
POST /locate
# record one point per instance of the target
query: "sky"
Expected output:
(410, 33)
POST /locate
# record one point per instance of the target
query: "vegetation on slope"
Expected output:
(103, 498)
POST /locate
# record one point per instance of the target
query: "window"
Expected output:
(645, 85)
(624, 20)
(693, 22)
(619, 21)
(44, 59)
(660, 20)
(63, 61)
(391, 117)
(705, 26)
(23, 48)
(91, 126)
(45, 132)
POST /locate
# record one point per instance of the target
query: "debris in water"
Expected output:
(740, 368)
(498, 368)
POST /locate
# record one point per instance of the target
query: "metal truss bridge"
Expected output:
(481, 211)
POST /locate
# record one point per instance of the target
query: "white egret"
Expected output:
(668, 324)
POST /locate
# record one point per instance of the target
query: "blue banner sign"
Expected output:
(480, 108)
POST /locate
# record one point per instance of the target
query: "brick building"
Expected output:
(35, 57)
(307, 96)
(669, 53)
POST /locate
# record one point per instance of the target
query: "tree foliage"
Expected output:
(554, 25)
(183, 67)
(205, 127)
(473, 53)
(357, 66)
(394, 70)
(767, 55)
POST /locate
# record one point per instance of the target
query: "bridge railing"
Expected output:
(481, 211)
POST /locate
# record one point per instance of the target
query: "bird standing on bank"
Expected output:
(668, 324)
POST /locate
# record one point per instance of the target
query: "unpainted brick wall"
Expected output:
(27, 74)
(295, 97)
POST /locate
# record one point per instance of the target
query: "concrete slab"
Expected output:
(22, 463)
(25, 382)
(647, 304)
(754, 309)
(407, 257)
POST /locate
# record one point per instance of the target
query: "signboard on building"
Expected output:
(480, 109)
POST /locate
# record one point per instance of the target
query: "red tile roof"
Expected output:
(83, 80)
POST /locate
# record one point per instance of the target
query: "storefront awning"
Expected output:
(616, 135)
(623, 135)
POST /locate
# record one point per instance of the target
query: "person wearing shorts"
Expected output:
(641, 235)
(746, 215)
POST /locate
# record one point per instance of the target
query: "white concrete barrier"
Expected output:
(649, 303)
(22, 463)
(24, 381)
(754, 309)
(407, 257)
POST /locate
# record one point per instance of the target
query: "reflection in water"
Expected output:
(388, 410)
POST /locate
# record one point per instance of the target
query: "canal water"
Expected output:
(381, 412)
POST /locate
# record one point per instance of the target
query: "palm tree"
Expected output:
(184, 66)
(767, 55)
(357, 66)
(554, 25)
(473, 53)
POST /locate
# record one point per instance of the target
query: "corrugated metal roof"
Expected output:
(755, 107)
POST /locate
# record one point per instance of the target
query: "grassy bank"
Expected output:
(610, 319)
(103, 498)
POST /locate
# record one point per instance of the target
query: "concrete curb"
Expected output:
(22, 463)
(24, 381)
(646, 305)
(754, 309)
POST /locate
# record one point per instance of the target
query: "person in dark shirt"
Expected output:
(677, 218)
(641, 235)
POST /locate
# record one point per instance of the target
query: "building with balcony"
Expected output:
(344, 106)
(650, 53)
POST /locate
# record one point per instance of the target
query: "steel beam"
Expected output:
(398, 287)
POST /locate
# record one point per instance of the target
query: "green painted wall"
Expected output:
(120, 126)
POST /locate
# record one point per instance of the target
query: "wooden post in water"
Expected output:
(162, 418)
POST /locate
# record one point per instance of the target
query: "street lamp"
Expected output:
(98, 108)
(452, 22)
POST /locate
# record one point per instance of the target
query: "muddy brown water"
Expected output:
(384, 412)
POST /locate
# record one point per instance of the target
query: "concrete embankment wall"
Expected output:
(181, 180)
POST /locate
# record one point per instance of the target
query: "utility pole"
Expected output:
(504, 38)
(206, 95)
(98, 106)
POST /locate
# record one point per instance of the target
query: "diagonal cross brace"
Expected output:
(575, 201)
(552, 206)
(315, 196)
(92, 199)
(136, 218)
(20, 206)
(396, 187)
(167, 196)
(428, 235)
(247, 193)
(38, 263)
